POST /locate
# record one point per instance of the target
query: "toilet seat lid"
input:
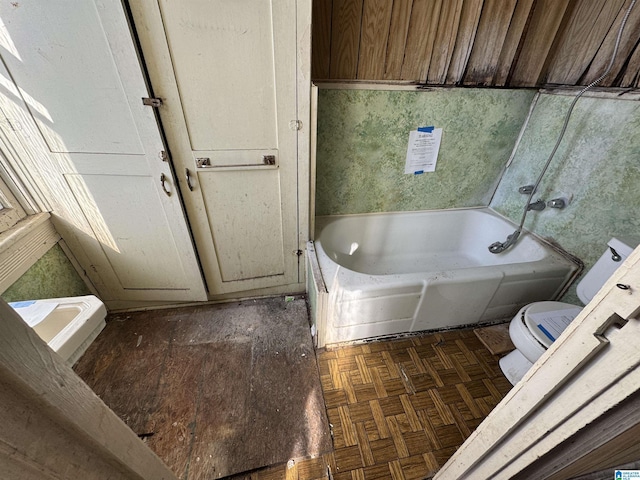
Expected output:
(547, 320)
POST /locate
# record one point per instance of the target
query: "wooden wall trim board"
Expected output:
(510, 43)
(80, 436)
(565, 424)
(596, 92)
(370, 85)
(569, 91)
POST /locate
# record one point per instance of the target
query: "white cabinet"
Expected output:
(234, 82)
(228, 74)
(72, 93)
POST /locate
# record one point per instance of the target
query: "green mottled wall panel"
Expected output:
(598, 163)
(362, 145)
(52, 276)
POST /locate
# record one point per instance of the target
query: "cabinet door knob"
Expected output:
(188, 177)
(163, 179)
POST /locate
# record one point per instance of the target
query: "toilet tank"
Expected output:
(604, 268)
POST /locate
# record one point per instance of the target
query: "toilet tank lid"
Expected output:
(624, 245)
(600, 272)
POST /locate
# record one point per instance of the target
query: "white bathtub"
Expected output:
(386, 274)
(68, 325)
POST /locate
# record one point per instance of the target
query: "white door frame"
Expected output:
(53, 425)
(586, 373)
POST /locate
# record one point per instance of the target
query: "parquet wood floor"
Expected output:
(399, 409)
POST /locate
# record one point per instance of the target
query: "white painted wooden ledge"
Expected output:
(52, 424)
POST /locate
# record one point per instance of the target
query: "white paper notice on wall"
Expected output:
(422, 152)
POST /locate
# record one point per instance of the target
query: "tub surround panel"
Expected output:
(362, 144)
(317, 295)
(598, 163)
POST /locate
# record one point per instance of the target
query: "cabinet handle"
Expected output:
(188, 176)
(163, 178)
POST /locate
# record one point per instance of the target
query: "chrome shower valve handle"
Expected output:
(538, 205)
(557, 203)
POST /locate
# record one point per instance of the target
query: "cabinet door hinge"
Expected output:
(164, 156)
(152, 102)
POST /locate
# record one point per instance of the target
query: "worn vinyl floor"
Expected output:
(398, 409)
(214, 390)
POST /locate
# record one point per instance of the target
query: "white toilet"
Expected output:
(537, 325)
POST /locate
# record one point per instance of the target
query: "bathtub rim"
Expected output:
(323, 289)
(322, 220)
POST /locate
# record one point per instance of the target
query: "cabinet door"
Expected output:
(73, 90)
(226, 72)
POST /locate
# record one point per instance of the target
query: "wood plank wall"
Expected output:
(512, 43)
